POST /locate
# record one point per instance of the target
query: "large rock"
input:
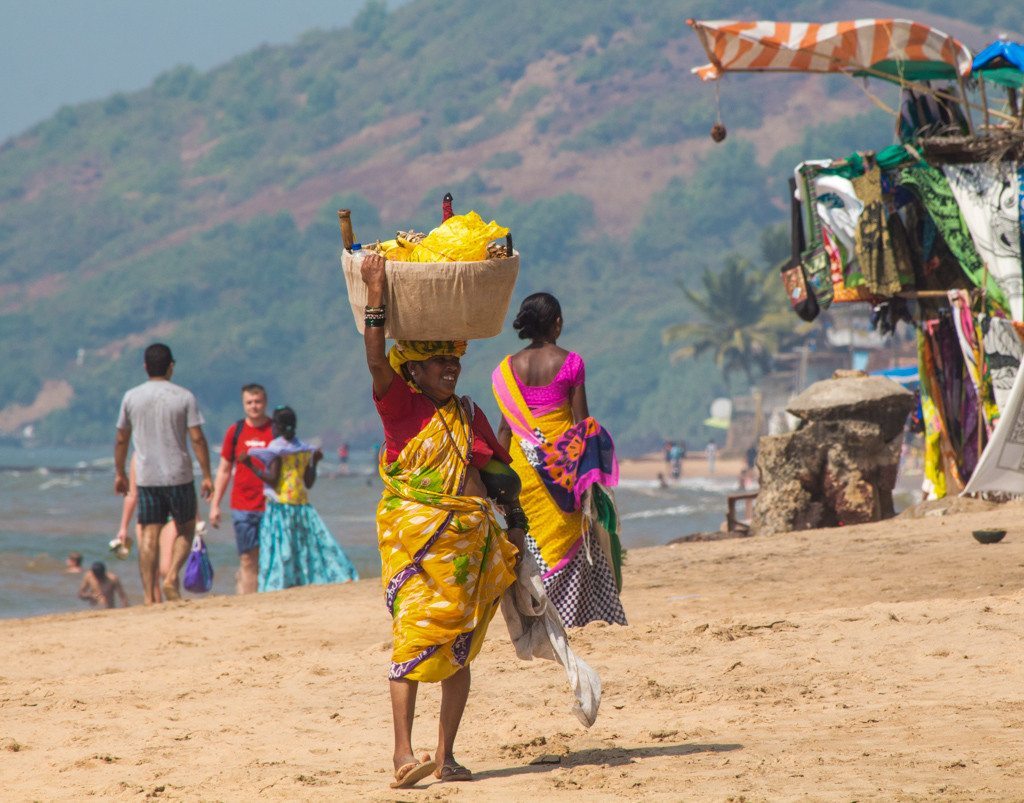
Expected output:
(860, 398)
(840, 467)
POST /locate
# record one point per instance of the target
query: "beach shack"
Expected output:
(924, 233)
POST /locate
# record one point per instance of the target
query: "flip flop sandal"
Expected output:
(412, 773)
(453, 773)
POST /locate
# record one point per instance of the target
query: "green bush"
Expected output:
(321, 95)
(237, 148)
(371, 21)
(176, 82)
(115, 105)
(615, 127)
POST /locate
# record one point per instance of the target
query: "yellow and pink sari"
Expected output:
(572, 533)
(445, 560)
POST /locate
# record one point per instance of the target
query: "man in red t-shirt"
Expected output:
(247, 504)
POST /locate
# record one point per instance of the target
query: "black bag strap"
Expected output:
(234, 440)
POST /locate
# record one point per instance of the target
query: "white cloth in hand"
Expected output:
(537, 632)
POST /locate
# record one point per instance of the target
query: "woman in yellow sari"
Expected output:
(445, 559)
(565, 460)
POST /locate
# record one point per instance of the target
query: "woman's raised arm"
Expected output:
(372, 270)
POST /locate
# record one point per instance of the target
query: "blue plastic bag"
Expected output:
(198, 569)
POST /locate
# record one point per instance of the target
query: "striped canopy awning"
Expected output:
(888, 48)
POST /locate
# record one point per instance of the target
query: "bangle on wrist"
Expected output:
(375, 316)
(516, 519)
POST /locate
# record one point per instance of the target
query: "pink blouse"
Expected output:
(544, 398)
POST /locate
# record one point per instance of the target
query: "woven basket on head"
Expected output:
(438, 300)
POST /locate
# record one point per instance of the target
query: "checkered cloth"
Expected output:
(584, 590)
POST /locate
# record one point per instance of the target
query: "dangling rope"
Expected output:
(863, 85)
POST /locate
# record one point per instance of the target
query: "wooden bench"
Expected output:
(733, 524)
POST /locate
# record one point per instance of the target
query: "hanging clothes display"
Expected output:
(873, 244)
(947, 409)
(919, 242)
(989, 198)
(931, 187)
(1001, 467)
(838, 210)
(1003, 353)
(817, 264)
(939, 456)
(969, 336)
(935, 267)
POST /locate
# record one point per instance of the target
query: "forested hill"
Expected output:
(200, 211)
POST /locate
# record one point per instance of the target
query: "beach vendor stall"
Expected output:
(927, 231)
(449, 524)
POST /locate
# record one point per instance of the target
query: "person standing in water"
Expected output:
(100, 586)
(73, 563)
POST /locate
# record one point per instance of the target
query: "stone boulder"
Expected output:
(859, 398)
(840, 466)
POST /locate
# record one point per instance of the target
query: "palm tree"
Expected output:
(745, 320)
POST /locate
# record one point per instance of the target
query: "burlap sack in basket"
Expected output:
(438, 300)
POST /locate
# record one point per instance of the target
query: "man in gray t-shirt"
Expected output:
(159, 418)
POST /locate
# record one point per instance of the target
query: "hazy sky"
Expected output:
(56, 52)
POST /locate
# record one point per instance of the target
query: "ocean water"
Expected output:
(55, 501)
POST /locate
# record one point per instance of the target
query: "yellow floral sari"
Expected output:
(445, 560)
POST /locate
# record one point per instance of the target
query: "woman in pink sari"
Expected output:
(566, 462)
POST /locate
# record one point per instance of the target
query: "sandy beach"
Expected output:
(871, 662)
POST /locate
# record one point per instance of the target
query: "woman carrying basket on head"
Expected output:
(445, 559)
(563, 457)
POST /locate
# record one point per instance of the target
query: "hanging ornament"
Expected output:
(718, 131)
